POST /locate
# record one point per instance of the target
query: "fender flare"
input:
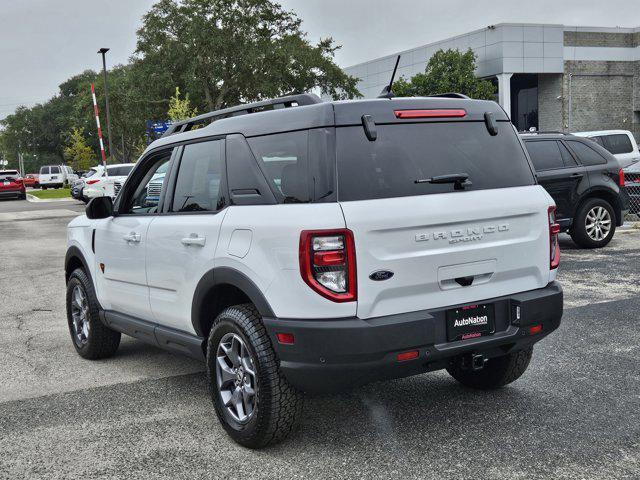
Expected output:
(75, 252)
(226, 276)
(593, 192)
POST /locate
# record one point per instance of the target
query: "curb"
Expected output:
(34, 199)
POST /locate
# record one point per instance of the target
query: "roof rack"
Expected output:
(543, 132)
(245, 109)
(450, 95)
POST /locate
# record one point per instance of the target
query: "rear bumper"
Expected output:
(11, 193)
(331, 354)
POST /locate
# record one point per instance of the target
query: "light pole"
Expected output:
(103, 51)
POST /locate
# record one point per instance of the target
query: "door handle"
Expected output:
(133, 237)
(577, 175)
(194, 239)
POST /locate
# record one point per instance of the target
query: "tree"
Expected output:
(180, 109)
(447, 71)
(225, 52)
(78, 153)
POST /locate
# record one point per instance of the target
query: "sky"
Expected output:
(44, 42)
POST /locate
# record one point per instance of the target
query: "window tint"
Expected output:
(284, 160)
(55, 170)
(404, 153)
(545, 154)
(586, 154)
(120, 171)
(199, 178)
(44, 170)
(598, 140)
(8, 175)
(619, 143)
(569, 161)
(146, 197)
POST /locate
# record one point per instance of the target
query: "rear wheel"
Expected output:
(594, 225)
(254, 402)
(497, 372)
(91, 338)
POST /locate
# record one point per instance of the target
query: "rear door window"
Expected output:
(44, 170)
(545, 154)
(618, 143)
(587, 155)
(198, 186)
(55, 170)
(406, 153)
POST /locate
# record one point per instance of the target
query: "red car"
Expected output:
(31, 180)
(11, 185)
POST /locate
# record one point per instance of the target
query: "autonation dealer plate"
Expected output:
(470, 322)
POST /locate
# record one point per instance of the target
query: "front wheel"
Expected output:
(594, 225)
(91, 338)
(497, 372)
(253, 401)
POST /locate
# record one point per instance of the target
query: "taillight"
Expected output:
(328, 263)
(431, 113)
(554, 244)
(621, 178)
(91, 182)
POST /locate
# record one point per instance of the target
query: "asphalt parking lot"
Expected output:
(146, 413)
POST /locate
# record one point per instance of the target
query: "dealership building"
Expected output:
(549, 77)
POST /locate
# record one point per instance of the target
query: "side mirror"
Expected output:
(99, 207)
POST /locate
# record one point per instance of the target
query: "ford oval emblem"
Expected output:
(381, 275)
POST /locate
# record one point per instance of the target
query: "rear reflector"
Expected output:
(533, 329)
(285, 338)
(433, 113)
(91, 182)
(621, 178)
(410, 355)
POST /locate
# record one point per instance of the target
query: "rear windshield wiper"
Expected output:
(460, 180)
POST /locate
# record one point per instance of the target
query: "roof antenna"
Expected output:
(386, 91)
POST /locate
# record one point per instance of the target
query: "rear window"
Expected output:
(9, 175)
(55, 169)
(618, 143)
(404, 153)
(44, 170)
(119, 171)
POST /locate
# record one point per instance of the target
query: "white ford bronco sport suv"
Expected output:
(307, 246)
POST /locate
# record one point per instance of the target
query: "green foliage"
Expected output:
(447, 71)
(78, 154)
(180, 109)
(229, 51)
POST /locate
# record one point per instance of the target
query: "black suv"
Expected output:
(586, 182)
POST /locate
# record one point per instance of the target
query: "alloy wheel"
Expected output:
(80, 315)
(598, 223)
(236, 377)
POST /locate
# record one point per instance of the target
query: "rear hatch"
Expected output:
(9, 181)
(421, 245)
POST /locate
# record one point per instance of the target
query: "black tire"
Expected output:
(101, 341)
(44, 188)
(23, 196)
(579, 232)
(278, 405)
(497, 372)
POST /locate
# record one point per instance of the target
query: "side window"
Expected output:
(199, 178)
(284, 159)
(569, 161)
(618, 143)
(587, 155)
(146, 196)
(55, 170)
(545, 154)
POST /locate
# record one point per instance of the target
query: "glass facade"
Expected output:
(524, 101)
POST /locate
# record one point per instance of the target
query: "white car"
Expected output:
(620, 143)
(56, 176)
(316, 246)
(99, 184)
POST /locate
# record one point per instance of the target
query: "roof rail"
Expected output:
(543, 132)
(450, 95)
(245, 109)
